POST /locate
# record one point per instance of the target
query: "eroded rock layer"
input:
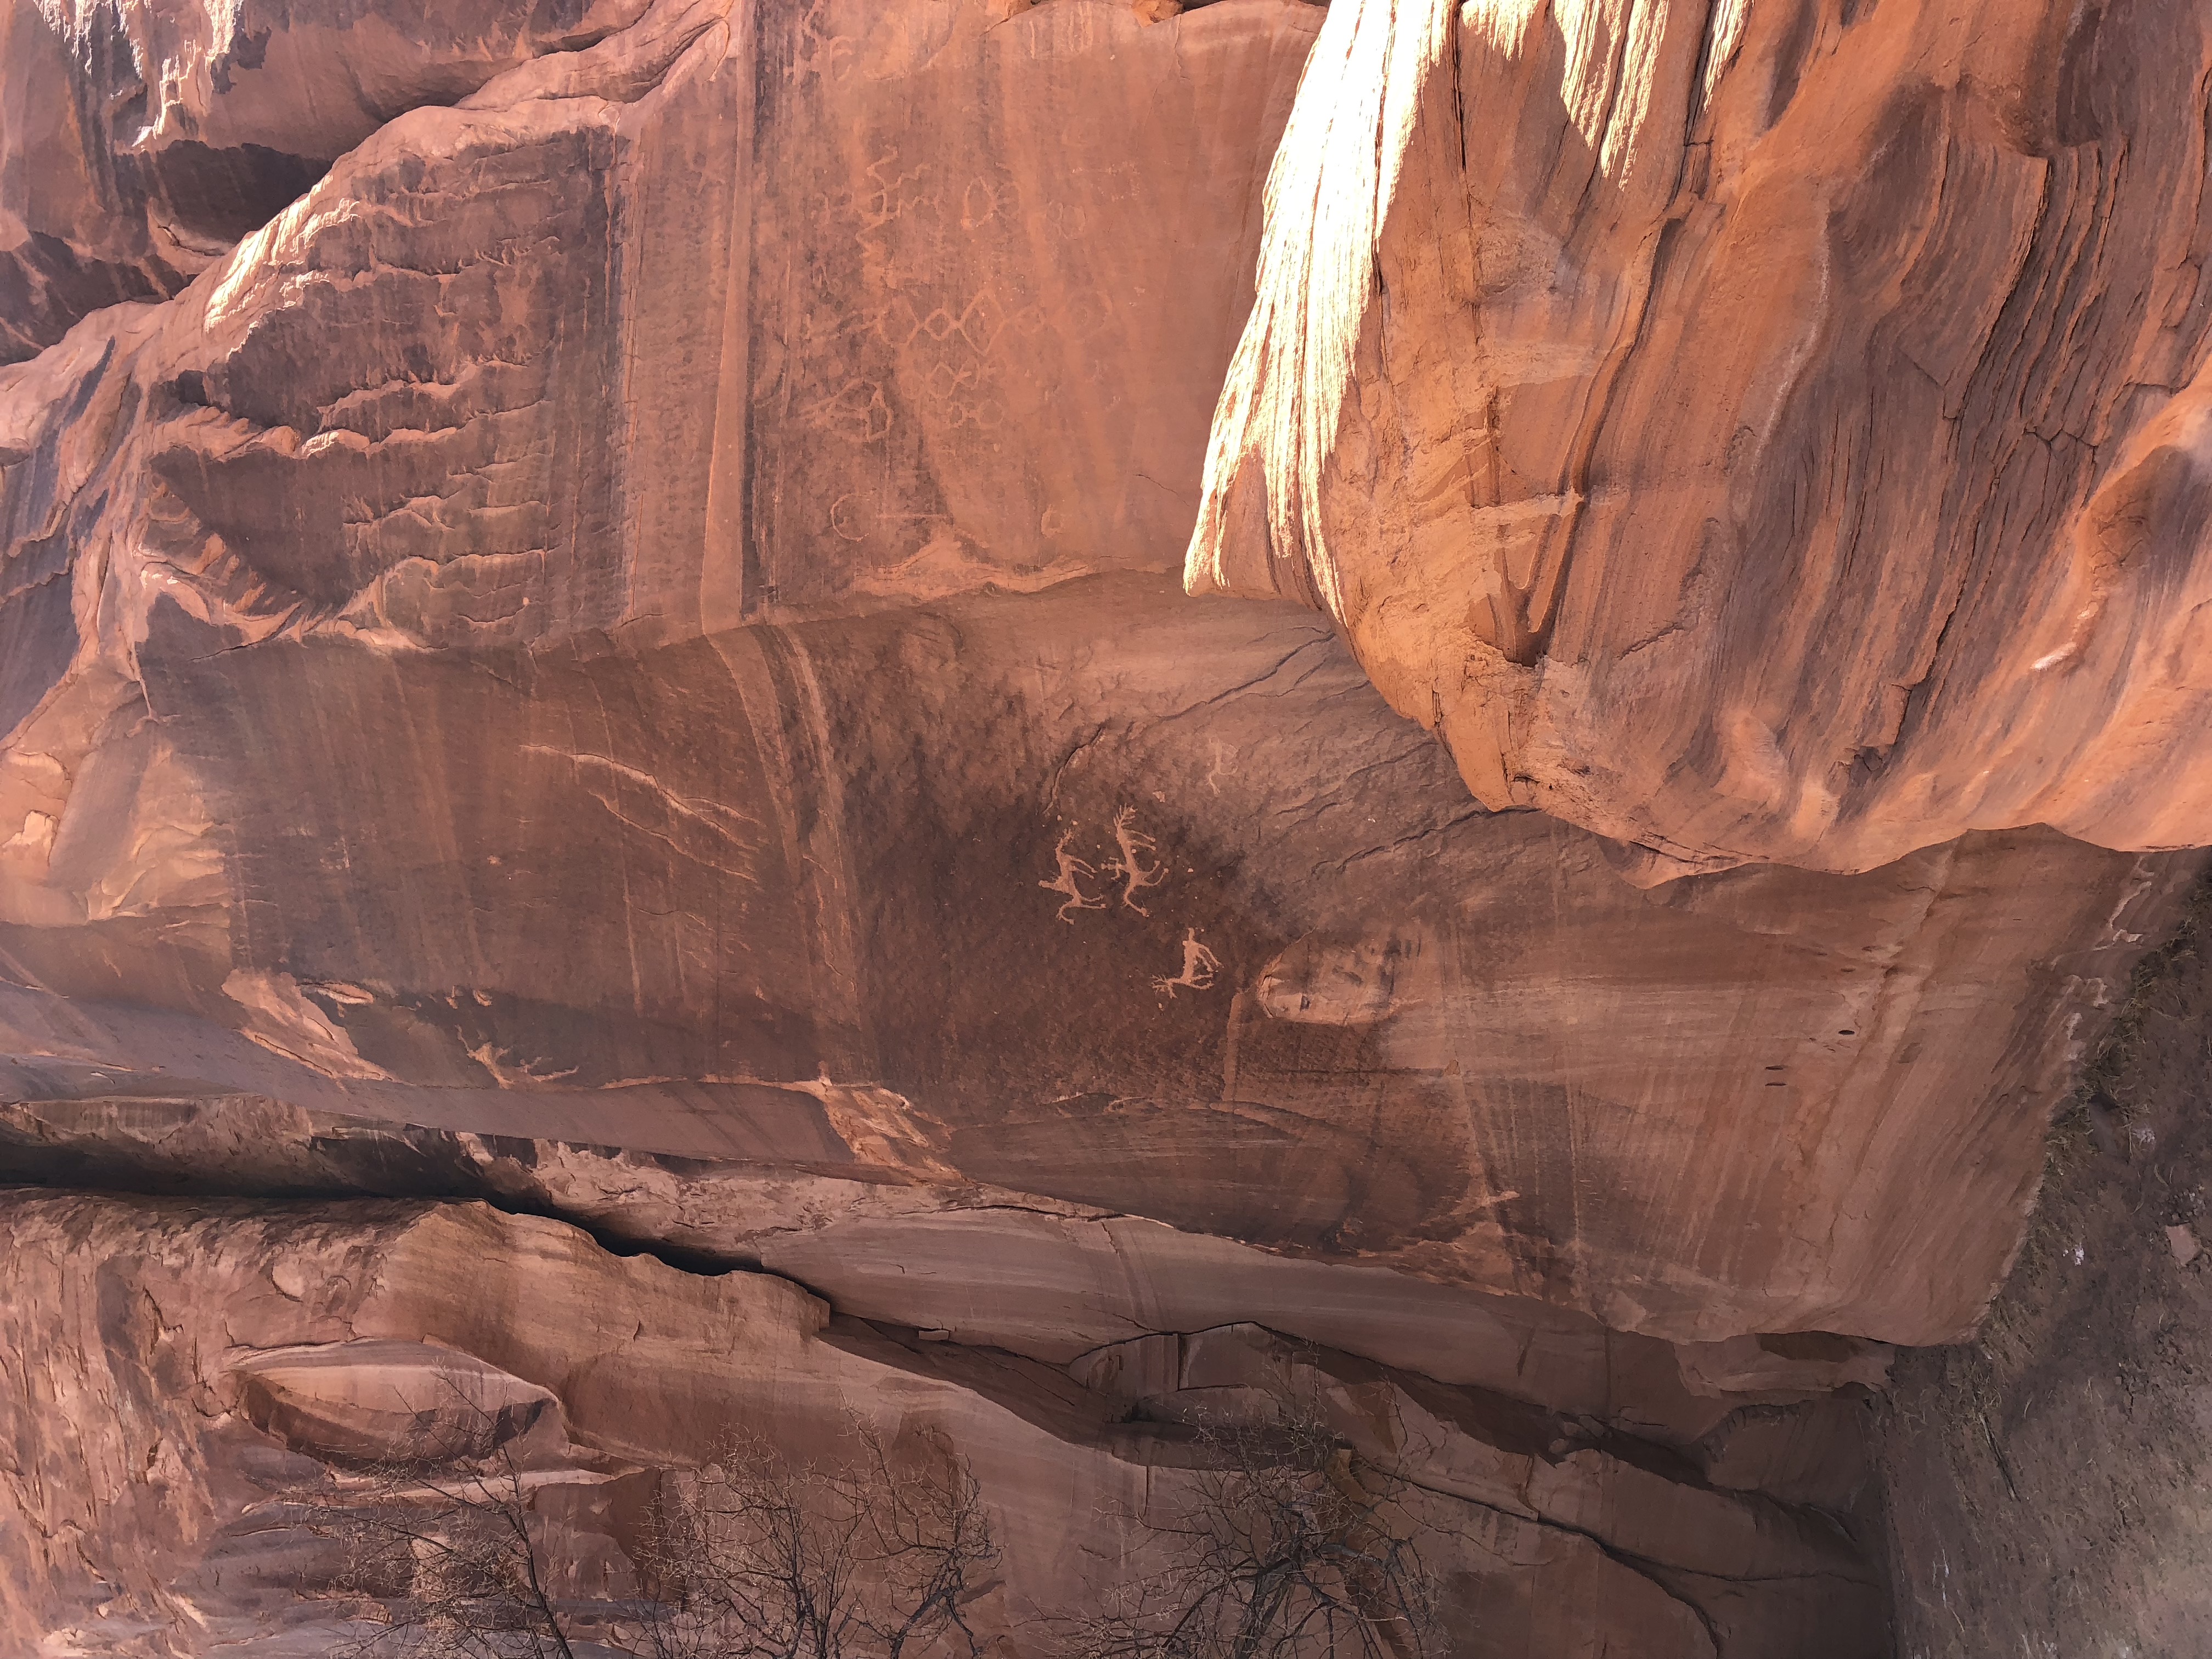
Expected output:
(837, 893)
(139, 141)
(599, 636)
(1753, 431)
(222, 1374)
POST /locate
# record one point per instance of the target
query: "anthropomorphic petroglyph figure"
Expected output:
(1064, 880)
(1130, 865)
(1221, 756)
(1199, 965)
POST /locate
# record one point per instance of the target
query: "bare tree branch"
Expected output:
(1290, 1549)
(754, 1556)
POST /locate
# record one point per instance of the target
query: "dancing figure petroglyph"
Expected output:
(1199, 965)
(1130, 865)
(1064, 880)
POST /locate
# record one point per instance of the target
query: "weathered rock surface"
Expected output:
(588, 621)
(1050, 1282)
(788, 894)
(140, 139)
(2045, 1483)
(214, 1367)
(1751, 431)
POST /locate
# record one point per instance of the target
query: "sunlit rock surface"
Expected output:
(620, 657)
(1755, 432)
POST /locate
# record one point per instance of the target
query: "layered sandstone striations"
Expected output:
(1751, 431)
(138, 142)
(573, 630)
(216, 1373)
(621, 656)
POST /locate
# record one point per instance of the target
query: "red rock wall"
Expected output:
(620, 655)
(1755, 432)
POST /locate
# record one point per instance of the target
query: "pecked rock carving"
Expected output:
(608, 796)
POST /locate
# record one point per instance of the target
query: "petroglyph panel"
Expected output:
(1001, 264)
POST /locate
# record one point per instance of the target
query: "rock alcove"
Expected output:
(1035, 723)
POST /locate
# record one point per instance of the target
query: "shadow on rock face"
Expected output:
(294, 1367)
(143, 142)
(1108, 897)
(1240, 1171)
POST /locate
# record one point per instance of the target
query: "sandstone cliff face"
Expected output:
(534, 641)
(216, 1372)
(138, 142)
(620, 656)
(1751, 431)
(830, 895)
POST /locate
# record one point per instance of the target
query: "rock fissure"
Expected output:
(571, 576)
